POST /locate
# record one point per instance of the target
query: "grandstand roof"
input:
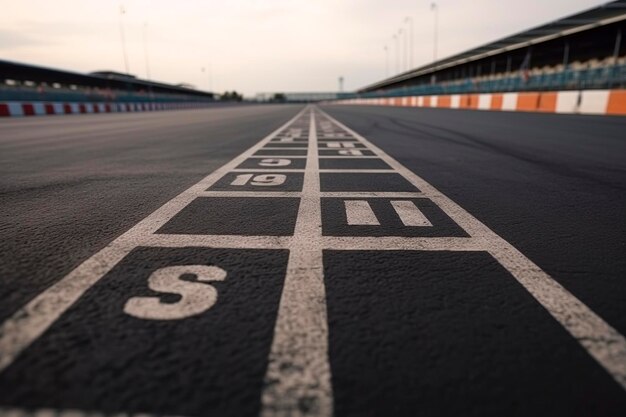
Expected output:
(599, 16)
(101, 79)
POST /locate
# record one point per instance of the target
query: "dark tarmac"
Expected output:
(426, 326)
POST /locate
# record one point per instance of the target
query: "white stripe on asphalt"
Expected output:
(298, 368)
(409, 214)
(359, 212)
(218, 241)
(605, 344)
(30, 321)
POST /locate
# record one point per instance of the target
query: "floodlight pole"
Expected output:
(145, 49)
(397, 45)
(435, 10)
(123, 38)
(409, 20)
(386, 61)
(402, 48)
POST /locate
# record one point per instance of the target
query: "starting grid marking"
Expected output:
(298, 366)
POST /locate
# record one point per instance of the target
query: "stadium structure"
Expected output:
(574, 64)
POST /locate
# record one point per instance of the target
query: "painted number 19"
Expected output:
(267, 180)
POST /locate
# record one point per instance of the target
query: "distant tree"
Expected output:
(278, 98)
(231, 96)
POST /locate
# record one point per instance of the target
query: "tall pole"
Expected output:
(386, 61)
(123, 37)
(406, 50)
(396, 44)
(208, 74)
(145, 49)
(402, 47)
(211, 76)
(435, 10)
(409, 20)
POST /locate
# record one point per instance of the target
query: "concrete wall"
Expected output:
(607, 102)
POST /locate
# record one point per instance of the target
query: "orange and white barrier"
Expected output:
(18, 108)
(605, 102)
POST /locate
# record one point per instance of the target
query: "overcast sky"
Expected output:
(257, 45)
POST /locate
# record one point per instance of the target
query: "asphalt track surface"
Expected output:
(356, 261)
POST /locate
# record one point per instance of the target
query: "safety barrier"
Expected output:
(19, 109)
(605, 102)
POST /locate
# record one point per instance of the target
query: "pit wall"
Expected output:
(603, 102)
(20, 109)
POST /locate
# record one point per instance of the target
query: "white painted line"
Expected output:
(284, 148)
(358, 156)
(255, 194)
(277, 157)
(334, 135)
(372, 194)
(409, 214)
(327, 194)
(359, 212)
(605, 344)
(340, 144)
(351, 152)
(218, 241)
(399, 243)
(357, 171)
(267, 170)
(30, 321)
(298, 371)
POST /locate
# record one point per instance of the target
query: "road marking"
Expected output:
(359, 212)
(255, 194)
(347, 155)
(268, 170)
(373, 194)
(399, 243)
(285, 148)
(218, 241)
(409, 214)
(340, 144)
(298, 368)
(336, 194)
(350, 152)
(195, 297)
(265, 180)
(605, 344)
(30, 321)
(297, 380)
(278, 162)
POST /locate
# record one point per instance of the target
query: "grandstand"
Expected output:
(580, 52)
(29, 83)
